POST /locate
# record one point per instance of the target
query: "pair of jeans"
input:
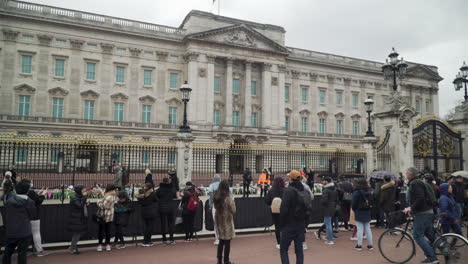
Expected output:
(361, 228)
(21, 244)
(36, 233)
(147, 230)
(263, 191)
(104, 229)
(246, 189)
(328, 224)
(119, 234)
(287, 236)
(226, 245)
(74, 242)
(276, 222)
(167, 219)
(189, 220)
(461, 207)
(446, 228)
(423, 227)
(336, 224)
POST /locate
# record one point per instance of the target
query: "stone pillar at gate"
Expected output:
(459, 121)
(370, 144)
(184, 146)
(397, 116)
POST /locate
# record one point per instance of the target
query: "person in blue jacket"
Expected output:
(447, 205)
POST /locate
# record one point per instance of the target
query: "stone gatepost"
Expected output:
(397, 115)
(370, 145)
(184, 146)
(459, 121)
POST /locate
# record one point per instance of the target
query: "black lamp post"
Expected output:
(393, 68)
(185, 91)
(369, 103)
(462, 78)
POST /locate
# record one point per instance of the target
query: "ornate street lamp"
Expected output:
(393, 68)
(369, 103)
(185, 92)
(462, 78)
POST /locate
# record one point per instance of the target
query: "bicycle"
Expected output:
(397, 245)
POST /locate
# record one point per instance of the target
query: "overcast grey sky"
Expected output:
(432, 32)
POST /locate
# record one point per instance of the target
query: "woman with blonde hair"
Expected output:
(148, 177)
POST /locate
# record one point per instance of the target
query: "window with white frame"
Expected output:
(254, 119)
(322, 126)
(339, 127)
(26, 64)
(236, 118)
(253, 88)
(146, 114)
(59, 68)
(89, 109)
(118, 111)
(173, 80)
(339, 98)
(24, 105)
(355, 128)
(216, 117)
(91, 71)
(428, 106)
(217, 85)
(119, 74)
(57, 107)
(286, 93)
(286, 122)
(418, 106)
(322, 97)
(236, 86)
(172, 115)
(304, 124)
(147, 77)
(355, 100)
(304, 94)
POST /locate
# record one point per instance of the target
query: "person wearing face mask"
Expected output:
(38, 198)
(78, 218)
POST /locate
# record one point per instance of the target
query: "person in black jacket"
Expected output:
(246, 180)
(347, 190)
(122, 210)
(387, 197)
(276, 192)
(188, 216)
(78, 218)
(292, 218)
(166, 193)
(148, 200)
(422, 208)
(36, 222)
(125, 177)
(328, 202)
(459, 195)
(19, 211)
(174, 180)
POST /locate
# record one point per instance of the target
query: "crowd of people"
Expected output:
(290, 202)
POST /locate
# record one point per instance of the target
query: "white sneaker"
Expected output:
(329, 242)
(216, 242)
(108, 248)
(304, 246)
(277, 246)
(353, 238)
(99, 248)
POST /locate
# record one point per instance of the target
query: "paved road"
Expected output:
(246, 249)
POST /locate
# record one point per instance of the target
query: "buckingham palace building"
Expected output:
(72, 73)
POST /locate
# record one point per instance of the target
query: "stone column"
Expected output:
(266, 96)
(228, 95)
(370, 144)
(435, 101)
(281, 104)
(10, 65)
(295, 98)
(210, 89)
(459, 121)
(184, 146)
(193, 108)
(248, 95)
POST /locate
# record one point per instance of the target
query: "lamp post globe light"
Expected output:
(369, 103)
(461, 79)
(185, 91)
(394, 68)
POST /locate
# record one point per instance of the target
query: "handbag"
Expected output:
(347, 196)
(179, 219)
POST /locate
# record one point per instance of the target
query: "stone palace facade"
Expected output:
(68, 72)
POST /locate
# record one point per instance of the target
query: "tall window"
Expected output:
(216, 117)
(59, 68)
(171, 158)
(172, 115)
(147, 77)
(26, 64)
(339, 98)
(418, 106)
(217, 85)
(173, 80)
(286, 122)
(235, 118)
(322, 161)
(304, 94)
(322, 126)
(119, 74)
(286, 93)
(145, 157)
(146, 114)
(57, 107)
(356, 128)
(236, 86)
(24, 105)
(427, 106)
(304, 124)
(118, 111)
(21, 154)
(253, 88)
(339, 127)
(303, 161)
(254, 119)
(89, 110)
(355, 100)
(54, 155)
(91, 71)
(322, 96)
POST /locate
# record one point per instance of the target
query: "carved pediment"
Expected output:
(147, 99)
(304, 112)
(89, 94)
(135, 52)
(107, 48)
(76, 43)
(288, 110)
(58, 91)
(339, 115)
(218, 105)
(119, 96)
(256, 108)
(356, 117)
(24, 88)
(173, 101)
(423, 71)
(240, 35)
(10, 34)
(322, 114)
(44, 39)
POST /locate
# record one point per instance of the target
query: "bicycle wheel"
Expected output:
(452, 247)
(397, 246)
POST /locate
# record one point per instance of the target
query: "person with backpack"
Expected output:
(105, 216)
(448, 206)
(246, 180)
(148, 200)
(78, 218)
(347, 189)
(122, 210)
(166, 193)
(361, 204)
(273, 199)
(211, 191)
(225, 211)
(190, 204)
(421, 201)
(328, 203)
(37, 198)
(387, 198)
